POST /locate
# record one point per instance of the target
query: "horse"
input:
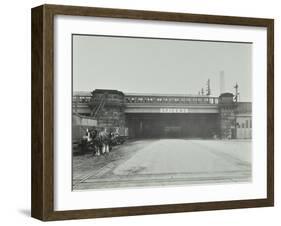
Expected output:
(104, 140)
(95, 142)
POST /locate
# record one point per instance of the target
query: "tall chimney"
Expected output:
(222, 85)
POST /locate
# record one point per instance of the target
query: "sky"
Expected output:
(141, 65)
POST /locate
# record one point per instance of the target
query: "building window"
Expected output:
(242, 125)
(247, 124)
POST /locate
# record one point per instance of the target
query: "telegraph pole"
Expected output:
(222, 85)
(236, 92)
(202, 92)
(208, 91)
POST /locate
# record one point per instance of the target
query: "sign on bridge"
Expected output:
(173, 110)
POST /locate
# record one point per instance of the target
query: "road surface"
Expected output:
(171, 162)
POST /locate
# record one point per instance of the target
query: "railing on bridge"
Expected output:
(81, 99)
(80, 102)
(135, 99)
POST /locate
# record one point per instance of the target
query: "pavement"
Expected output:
(167, 162)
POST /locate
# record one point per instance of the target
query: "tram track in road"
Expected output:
(93, 174)
(96, 166)
(97, 173)
(164, 180)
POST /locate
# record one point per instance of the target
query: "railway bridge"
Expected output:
(165, 115)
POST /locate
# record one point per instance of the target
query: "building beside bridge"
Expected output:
(166, 115)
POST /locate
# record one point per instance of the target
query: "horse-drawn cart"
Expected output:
(99, 140)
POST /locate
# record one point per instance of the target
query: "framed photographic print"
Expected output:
(142, 112)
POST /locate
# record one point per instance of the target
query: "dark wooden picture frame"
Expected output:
(42, 203)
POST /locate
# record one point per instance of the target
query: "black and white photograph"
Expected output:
(139, 112)
(150, 112)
